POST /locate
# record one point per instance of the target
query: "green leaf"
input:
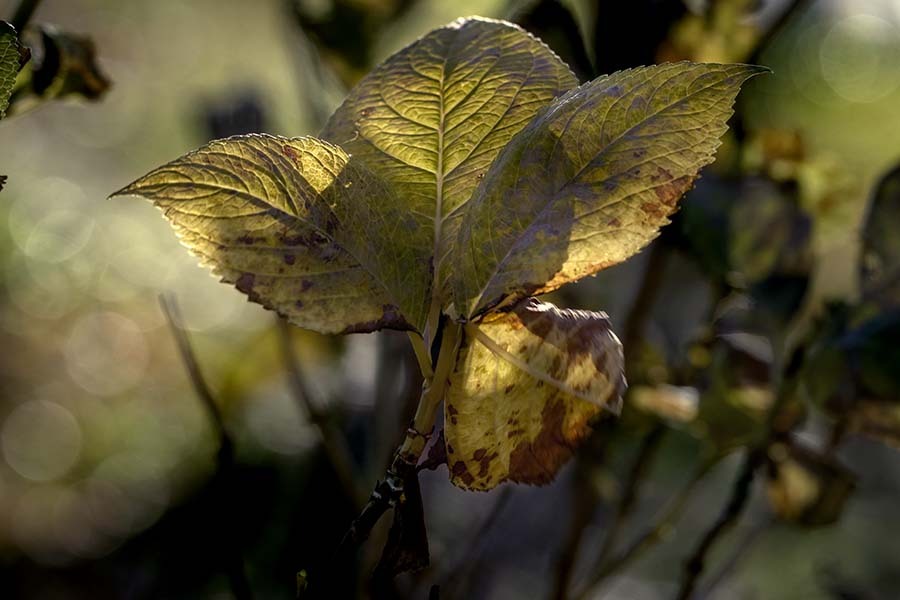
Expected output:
(9, 64)
(880, 265)
(590, 181)
(433, 117)
(526, 386)
(264, 213)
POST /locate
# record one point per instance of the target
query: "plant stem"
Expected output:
(23, 14)
(422, 355)
(333, 441)
(388, 491)
(232, 556)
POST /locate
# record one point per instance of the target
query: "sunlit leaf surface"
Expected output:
(432, 118)
(9, 64)
(526, 386)
(258, 209)
(623, 149)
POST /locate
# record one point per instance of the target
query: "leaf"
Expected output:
(9, 64)
(432, 118)
(623, 150)
(526, 386)
(263, 212)
(880, 265)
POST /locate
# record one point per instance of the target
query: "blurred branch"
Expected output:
(584, 505)
(333, 441)
(234, 562)
(173, 317)
(739, 553)
(23, 14)
(628, 500)
(740, 494)
(655, 534)
(466, 554)
(755, 457)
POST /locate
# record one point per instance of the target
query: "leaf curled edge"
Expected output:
(526, 387)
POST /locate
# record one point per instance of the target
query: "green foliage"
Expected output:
(9, 63)
(463, 175)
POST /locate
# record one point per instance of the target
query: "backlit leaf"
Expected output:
(880, 266)
(526, 386)
(590, 181)
(9, 64)
(264, 211)
(433, 117)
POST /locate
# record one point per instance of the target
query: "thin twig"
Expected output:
(628, 500)
(740, 494)
(333, 441)
(755, 457)
(176, 324)
(389, 491)
(584, 506)
(739, 553)
(652, 536)
(23, 14)
(457, 578)
(232, 556)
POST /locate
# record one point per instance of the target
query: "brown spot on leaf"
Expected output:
(289, 259)
(484, 464)
(290, 153)
(305, 285)
(461, 472)
(614, 222)
(509, 388)
(391, 319)
(245, 282)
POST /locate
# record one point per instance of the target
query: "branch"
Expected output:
(234, 562)
(333, 441)
(389, 491)
(649, 445)
(23, 14)
(652, 536)
(743, 484)
(584, 505)
(727, 519)
(740, 552)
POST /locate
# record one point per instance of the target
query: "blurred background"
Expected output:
(118, 481)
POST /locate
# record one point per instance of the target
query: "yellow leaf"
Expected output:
(590, 181)
(526, 386)
(258, 209)
(432, 118)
